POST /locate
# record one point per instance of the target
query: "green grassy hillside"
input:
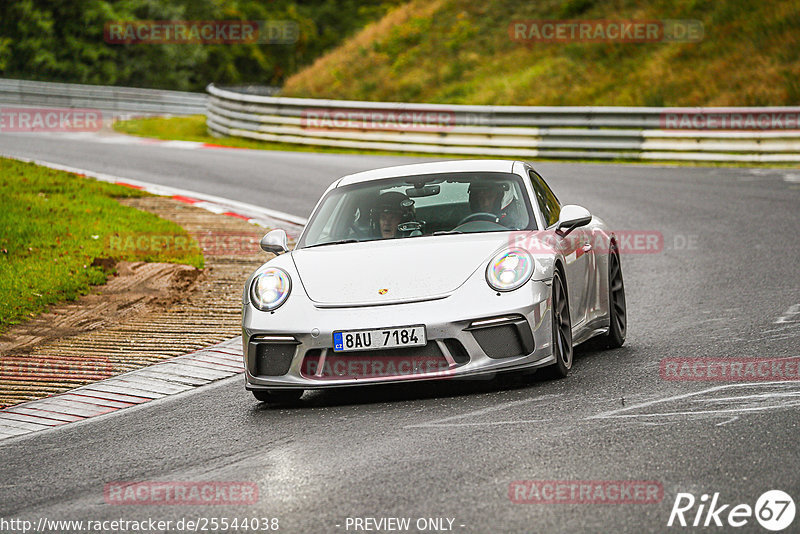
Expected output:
(460, 51)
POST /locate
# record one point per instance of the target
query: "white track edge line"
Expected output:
(169, 190)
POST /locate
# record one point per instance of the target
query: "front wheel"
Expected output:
(617, 309)
(562, 329)
(274, 396)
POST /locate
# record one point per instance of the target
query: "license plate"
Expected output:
(379, 338)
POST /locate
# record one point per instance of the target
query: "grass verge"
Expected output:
(193, 128)
(56, 224)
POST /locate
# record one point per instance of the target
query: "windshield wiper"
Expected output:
(341, 242)
(450, 232)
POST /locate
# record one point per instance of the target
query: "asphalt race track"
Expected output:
(723, 285)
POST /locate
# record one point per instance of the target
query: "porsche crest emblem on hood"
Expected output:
(382, 291)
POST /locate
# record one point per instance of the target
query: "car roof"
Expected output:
(474, 165)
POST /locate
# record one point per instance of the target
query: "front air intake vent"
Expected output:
(273, 359)
(375, 364)
(503, 337)
(499, 341)
(457, 350)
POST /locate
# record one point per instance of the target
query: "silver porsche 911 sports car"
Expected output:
(430, 271)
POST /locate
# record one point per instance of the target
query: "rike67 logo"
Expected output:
(774, 510)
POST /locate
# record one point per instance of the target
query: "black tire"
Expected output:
(272, 396)
(562, 330)
(618, 311)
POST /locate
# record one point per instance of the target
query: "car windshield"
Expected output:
(420, 205)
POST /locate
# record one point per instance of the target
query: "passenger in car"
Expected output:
(392, 209)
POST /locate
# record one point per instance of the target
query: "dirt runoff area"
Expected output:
(148, 312)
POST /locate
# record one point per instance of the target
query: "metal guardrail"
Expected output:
(114, 101)
(508, 131)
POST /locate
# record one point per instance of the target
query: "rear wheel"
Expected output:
(277, 396)
(562, 329)
(617, 309)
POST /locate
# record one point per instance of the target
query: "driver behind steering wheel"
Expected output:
(487, 197)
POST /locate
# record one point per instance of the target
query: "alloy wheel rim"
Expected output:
(563, 327)
(619, 315)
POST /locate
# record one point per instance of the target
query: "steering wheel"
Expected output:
(479, 216)
(358, 232)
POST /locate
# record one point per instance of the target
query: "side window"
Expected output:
(332, 212)
(548, 202)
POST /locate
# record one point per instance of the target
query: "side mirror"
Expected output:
(572, 217)
(275, 242)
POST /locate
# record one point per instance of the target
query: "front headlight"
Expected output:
(270, 289)
(509, 270)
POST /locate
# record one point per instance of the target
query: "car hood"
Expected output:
(411, 269)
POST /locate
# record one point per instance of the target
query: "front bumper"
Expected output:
(457, 327)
